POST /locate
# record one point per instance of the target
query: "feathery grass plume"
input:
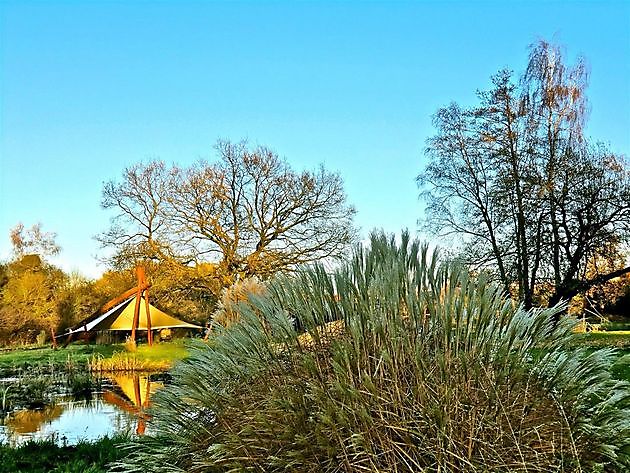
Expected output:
(226, 312)
(428, 369)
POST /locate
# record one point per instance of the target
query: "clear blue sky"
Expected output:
(88, 88)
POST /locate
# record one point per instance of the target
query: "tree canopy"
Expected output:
(30, 287)
(33, 241)
(248, 213)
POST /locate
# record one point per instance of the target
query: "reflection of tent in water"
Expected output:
(131, 311)
(137, 391)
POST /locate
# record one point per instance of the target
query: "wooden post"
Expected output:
(142, 426)
(142, 416)
(136, 317)
(147, 393)
(124, 296)
(53, 339)
(68, 340)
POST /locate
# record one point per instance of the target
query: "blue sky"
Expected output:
(88, 88)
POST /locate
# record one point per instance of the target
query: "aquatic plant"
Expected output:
(35, 390)
(5, 404)
(50, 457)
(80, 384)
(24, 391)
(428, 369)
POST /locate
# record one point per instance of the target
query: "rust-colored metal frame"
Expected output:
(141, 291)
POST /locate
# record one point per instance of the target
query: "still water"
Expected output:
(119, 404)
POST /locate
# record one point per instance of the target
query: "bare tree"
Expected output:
(137, 230)
(517, 179)
(249, 212)
(33, 241)
(591, 208)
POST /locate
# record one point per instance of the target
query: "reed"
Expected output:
(6, 398)
(159, 357)
(80, 384)
(130, 345)
(127, 362)
(430, 370)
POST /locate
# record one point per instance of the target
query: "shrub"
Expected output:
(429, 369)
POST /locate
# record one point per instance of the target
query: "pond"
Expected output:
(113, 404)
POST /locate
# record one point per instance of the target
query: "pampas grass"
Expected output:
(428, 369)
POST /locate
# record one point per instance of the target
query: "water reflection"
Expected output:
(31, 421)
(136, 395)
(119, 407)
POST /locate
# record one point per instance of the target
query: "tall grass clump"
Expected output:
(127, 362)
(426, 368)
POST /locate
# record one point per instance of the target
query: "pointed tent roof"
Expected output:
(120, 317)
(137, 389)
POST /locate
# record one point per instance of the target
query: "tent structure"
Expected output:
(129, 311)
(121, 317)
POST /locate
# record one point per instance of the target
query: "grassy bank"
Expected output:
(47, 456)
(159, 357)
(61, 358)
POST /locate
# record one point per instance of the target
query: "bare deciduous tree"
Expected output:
(33, 241)
(517, 178)
(137, 230)
(249, 212)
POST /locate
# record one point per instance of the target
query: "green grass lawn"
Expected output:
(617, 339)
(80, 354)
(77, 354)
(610, 326)
(159, 357)
(174, 350)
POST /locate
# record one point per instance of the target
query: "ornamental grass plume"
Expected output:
(227, 313)
(430, 369)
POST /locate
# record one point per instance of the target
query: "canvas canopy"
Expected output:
(120, 317)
